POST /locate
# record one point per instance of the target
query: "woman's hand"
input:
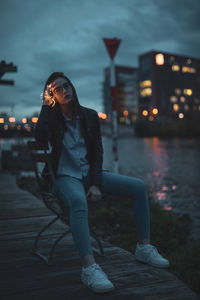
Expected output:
(47, 99)
(94, 193)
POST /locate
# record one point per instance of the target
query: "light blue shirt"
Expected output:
(73, 160)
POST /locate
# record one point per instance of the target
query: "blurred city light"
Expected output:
(24, 120)
(155, 111)
(11, 119)
(125, 113)
(181, 116)
(34, 119)
(145, 112)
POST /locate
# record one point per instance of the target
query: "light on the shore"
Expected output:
(24, 120)
(187, 92)
(102, 115)
(182, 99)
(34, 119)
(160, 59)
(125, 113)
(176, 107)
(11, 119)
(181, 116)
(155, 111)
(145, 112)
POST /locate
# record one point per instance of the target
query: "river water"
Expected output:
(170, 168)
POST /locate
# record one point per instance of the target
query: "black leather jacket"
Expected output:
(51, 127)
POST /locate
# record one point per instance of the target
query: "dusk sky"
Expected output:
(43, 36)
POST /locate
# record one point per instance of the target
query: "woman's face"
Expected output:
(62, 90)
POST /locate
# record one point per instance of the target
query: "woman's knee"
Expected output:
(79, 203)
(139, 186)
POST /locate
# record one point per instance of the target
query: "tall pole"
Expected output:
(112, 46)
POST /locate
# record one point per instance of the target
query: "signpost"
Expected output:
(112, 46)
(4, 68)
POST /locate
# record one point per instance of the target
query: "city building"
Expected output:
(169, 86)
(126, 93)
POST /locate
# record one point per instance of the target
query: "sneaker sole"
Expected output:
(152, 264)
(99, 290)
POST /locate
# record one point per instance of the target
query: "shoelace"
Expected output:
(153, 251)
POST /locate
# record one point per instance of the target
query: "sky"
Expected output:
(44, 36)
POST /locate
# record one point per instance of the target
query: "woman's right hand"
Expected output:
(47, 99)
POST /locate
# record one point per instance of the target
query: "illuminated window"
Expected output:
(186, 107)
(145, 83)
(181, 116)
(187, 92)
(155, 111)
(176, 68)
(176, 107)
(189, 61)
(182, 99)
(178, 91)
(173, 99)
(186, 69)
(146, 92)
(1, 120)
(160, 59)
(145, 112)
(172, 58)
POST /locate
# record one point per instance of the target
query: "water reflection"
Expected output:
(170, 168)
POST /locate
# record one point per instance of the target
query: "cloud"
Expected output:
(44, 36)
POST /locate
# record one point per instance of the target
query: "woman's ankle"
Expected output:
(87, 260)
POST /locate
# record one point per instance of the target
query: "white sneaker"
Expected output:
(94, 277)
(149, 254)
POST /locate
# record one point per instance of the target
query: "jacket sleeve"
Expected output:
(97, 161)
(43, 130)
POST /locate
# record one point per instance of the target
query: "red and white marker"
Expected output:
(112, 46)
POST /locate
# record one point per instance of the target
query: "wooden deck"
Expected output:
(24, 276)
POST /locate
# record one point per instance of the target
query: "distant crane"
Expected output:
(4, 68)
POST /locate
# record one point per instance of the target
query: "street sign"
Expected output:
(112, 46)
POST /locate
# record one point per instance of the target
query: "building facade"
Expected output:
(169, 86)
(126, 93)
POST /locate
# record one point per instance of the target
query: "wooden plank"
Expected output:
(23, 276)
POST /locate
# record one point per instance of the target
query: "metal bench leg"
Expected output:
(56, 243)
(35, 248)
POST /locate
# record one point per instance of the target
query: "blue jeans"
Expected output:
(72, 192)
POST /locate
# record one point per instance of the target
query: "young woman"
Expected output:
(77, 155)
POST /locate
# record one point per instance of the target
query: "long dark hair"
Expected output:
(76, 105)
